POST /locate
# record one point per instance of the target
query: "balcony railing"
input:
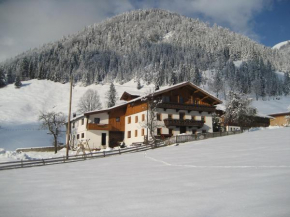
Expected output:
(105, 127)
(188, 107)
(185, 123)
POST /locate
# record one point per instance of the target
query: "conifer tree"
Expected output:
(112, 96)
(239, 110)
(139, 84)
(2, 77)
(17, 83)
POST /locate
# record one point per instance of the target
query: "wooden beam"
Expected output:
(204, 98)
(196, 91)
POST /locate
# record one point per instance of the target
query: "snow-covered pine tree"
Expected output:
(17, 83)
(2, 77)
(286, 83)
(197, 77)
(239, 110)
(139, 84)
(24, 68)
(217, 83)
(112, 96)
(89, 101)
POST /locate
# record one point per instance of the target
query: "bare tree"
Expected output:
(151, 123)
(89, 101)
(53, 122)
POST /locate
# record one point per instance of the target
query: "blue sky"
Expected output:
(26, 24)
(273, 25)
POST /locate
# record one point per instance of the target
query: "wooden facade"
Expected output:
(279, 119)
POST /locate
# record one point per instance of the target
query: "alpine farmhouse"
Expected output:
(182, 108)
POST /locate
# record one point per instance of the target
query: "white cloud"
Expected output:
(238, 15)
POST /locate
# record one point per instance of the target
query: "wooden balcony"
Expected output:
(183, 123)
(105, 127)
(188, 107)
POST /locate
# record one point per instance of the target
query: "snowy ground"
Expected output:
(242, 175)
(19, 108)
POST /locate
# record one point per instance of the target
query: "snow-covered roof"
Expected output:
(155, 93)
(280, 114)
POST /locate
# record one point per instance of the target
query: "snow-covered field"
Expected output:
(242, 175)
(19, 108)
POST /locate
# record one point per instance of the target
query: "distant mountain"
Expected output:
(157, 46)
(284, 47)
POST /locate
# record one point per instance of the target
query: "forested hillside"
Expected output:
(156, 46)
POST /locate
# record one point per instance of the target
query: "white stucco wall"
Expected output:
(135, 126)
(95, 139)
(94, 136)
(164, 115)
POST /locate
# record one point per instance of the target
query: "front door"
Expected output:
(182, 130)
(104, 135)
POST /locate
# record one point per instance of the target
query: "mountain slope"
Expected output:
(142, 43)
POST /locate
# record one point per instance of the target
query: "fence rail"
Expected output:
(73, 158)
(200, 136)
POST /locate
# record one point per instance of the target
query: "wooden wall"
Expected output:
(189, 95)
(117, 113)
(278, 121)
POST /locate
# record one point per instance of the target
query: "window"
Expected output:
(83, 135)
(83, 121)
(117, 119)
(158, 131)
(129, 120)
(142, 132)
(203, 119)
(193, 117)
(171, 132)
(181, 99)
(78, 136)
(181, 116)
(97, 120)
(143, 117)
(170, 116)
(73, 125)
(136, 119)
(129, 134)
(158, 117)
(165, 99)
(136, 133)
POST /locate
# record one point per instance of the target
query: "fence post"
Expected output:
(21, 163)
(63, 159)
(43, 161)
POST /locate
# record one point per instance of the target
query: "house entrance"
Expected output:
(104, 135)
(182, 130)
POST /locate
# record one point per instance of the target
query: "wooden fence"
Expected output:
(72, 158)
(199, 136)
(75, 158)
